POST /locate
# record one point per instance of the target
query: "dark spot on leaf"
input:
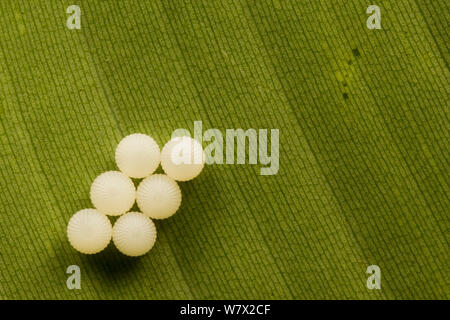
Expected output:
(345, 84)
(356, 52)
(345, 95)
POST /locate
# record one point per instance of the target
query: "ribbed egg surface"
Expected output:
(134, 234)
(89, 231)
(158, 196)
(137, 155)
(113, 193)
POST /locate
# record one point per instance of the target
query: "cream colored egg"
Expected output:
(182, 158)
(134, 234)
(158, 196)
(89, 231)
(137, 155)
(113, 193)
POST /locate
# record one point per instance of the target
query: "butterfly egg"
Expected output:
(134, 234)
(89, 231)
(158, 196)
(137, 155)
(113, 193)
(182, 158)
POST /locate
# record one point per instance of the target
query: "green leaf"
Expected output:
(363, 119)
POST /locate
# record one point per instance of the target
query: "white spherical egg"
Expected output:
(89, 231)
(137, 155)
(113, 193)
(182, 158)
(158, 196)
(134, 234)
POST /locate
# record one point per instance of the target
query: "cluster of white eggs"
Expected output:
(113, 193)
